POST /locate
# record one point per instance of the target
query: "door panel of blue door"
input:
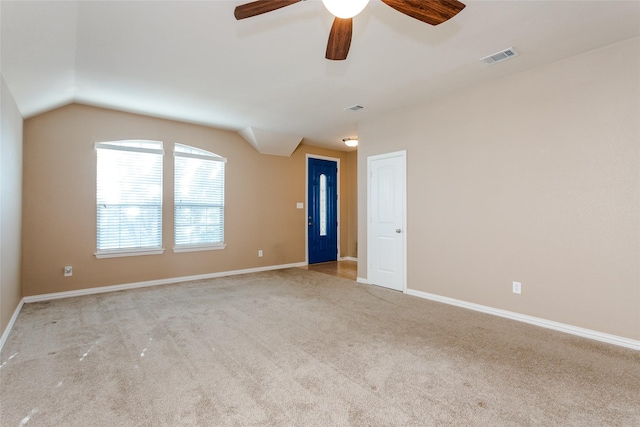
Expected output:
(323, 210)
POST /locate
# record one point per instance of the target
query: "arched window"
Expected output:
(199, 199)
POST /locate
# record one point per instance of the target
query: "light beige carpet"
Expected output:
(299, 348)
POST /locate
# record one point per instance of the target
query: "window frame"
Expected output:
(188, 151)
(130, 145)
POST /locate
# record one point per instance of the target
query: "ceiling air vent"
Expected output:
(355, 108)
(499, 56)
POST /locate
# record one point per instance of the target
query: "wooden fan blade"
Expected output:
(432, 12)
(260, 6)
(339, 39)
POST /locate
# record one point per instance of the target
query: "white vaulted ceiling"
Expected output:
(192, 61)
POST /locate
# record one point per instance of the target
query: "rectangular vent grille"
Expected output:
(355, 108)
(499, 56)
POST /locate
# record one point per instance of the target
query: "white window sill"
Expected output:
(117, 253)
(197, 248)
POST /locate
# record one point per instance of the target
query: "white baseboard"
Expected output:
(557, 326)
(348, 258)
(9, 327)
(115, 288)
(363, 281)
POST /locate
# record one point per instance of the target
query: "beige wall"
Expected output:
(10, 205)
(532, 178)
(60, 214)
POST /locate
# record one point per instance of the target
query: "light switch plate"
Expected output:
(300, 205)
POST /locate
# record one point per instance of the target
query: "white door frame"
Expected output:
(306, 201)
(370, 159)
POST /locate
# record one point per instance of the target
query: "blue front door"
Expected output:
(323, 210)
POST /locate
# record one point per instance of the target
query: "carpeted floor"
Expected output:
(299, 348)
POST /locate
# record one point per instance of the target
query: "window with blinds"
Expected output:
(129, 198)
(199, 199)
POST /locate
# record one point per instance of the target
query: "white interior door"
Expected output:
(386, 238)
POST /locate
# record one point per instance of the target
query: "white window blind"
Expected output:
(129, 196)
(199, 198)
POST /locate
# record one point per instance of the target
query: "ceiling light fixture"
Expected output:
(345, 8)
(350, 142)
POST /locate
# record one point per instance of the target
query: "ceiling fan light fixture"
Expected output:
(350, 142)
(345, 9)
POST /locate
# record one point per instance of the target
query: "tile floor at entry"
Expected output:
(344, 269)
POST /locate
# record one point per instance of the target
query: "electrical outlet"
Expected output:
(68, 271)
(260, 252)
(517, 287)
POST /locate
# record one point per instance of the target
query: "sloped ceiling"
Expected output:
(269, 142)
(192, 61)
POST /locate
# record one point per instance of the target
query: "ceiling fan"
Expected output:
(432, 12)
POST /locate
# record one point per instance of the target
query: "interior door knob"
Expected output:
(398, 230)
